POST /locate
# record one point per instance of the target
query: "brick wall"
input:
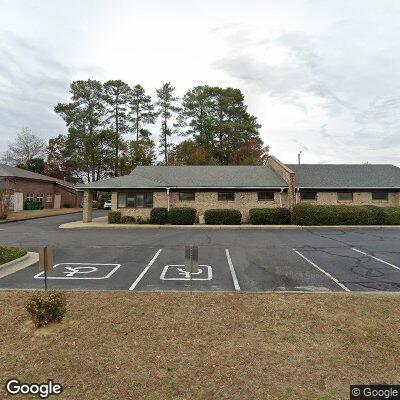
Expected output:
(205, 200)
(359, 198)
(287, 175)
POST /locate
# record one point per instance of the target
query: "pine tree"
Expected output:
(142, 111)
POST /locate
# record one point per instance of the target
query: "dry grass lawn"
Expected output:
(119, 345)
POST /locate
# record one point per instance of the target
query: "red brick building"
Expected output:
(29, 186)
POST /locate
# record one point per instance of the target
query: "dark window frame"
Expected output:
(382, 196)
(222, 196)
(191, 193)
(270, 195)
(345, 193)
(303, 195)
(148, 199)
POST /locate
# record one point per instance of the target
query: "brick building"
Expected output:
(246, 187)
(29, 186)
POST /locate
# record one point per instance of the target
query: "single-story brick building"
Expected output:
(28, 186)
(246, 187)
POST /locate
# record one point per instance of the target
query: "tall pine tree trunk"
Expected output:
(116, 141)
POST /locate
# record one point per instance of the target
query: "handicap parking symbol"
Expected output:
(80, 271)
(179, 273)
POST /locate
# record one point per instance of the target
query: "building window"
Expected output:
(135, 200)
(186, 196)
(226, 196)
(345, 196)
(30, 197)
(266, 196)
(40, 197)
(49, 198)
(380, 196)
(308, 195)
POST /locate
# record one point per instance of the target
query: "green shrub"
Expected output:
(96, 205)
(128, 219)
(159, 216)
(182, 216)
(309, 214)
(142, 221)
(46, 307)
(391, 215)
(8, 254)
(223, 217)
(114, 217)
(66, 205)
(269, 216)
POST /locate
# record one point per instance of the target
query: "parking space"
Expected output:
(314, 260)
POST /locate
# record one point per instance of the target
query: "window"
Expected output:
(308, 195)
(345, 196)
(186, 196)
(379, 196)
(266, 196)
(135, 200)
(40, 197)
(226, 196)
(49, 198)
(30, 197)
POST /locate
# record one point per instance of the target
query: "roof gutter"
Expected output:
(181, 187)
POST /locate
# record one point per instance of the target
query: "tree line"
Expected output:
(111, 125)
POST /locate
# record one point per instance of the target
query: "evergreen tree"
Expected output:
(84, 115)
(142, 111)
(117, 95)
(166, 109)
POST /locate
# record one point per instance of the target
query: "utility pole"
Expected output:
(298, 157)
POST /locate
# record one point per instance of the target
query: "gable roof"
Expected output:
(193, 176)
(336, 176)
(7, 171)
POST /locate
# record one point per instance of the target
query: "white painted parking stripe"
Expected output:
(134, 284)
(323, 271)
(233, 273)
(376, 258)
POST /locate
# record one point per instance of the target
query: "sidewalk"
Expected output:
(101, 223)
(33, 214)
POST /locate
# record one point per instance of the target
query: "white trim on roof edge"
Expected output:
(184, 187)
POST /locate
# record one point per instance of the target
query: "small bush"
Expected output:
(269, 216)
(182, 216)
(114, 217)
(223, 217)
(142, 221)
(65, 205)
(96, 205)
(8, 254)
(308, 214)
(46, 307)
(391, 215)
(128, 219)
(159, 216)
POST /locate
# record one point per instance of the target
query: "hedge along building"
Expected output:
(246, 187)
(30, 186)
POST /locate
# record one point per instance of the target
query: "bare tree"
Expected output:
(26, 146)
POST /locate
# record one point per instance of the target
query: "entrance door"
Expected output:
(57, 201)
(18, 201)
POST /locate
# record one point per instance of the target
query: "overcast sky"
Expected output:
(321, 76)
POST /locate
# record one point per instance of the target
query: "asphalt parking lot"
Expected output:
(311, 260)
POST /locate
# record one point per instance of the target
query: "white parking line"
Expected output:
(134, 284)
(323, 271)
(376, 258)
(233, 273)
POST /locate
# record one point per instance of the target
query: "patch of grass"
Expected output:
(205, 346)
(8, 254)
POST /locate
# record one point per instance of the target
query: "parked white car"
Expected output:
(107, 205)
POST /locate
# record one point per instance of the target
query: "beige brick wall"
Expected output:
(359, 198)
(244, 201)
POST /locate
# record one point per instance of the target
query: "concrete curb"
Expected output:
(20, 263)
(103, 225)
